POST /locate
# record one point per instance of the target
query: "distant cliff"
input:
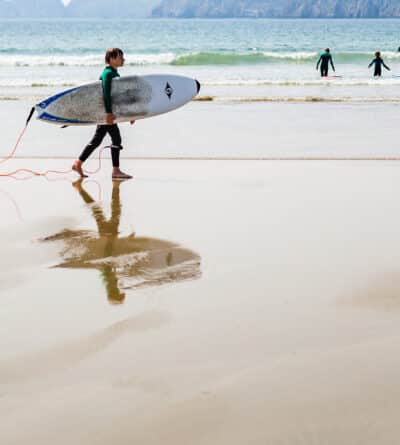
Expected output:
(110, 8)
(200, 8)
(278, 8)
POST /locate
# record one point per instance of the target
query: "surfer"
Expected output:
(324, 60)
(378, 62)
(114, 59)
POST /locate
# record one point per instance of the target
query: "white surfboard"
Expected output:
(133, 97)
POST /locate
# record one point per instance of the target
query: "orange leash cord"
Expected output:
(32, 172)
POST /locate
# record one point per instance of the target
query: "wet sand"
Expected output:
(203, 302)
(215, 130)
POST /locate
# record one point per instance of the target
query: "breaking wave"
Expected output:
(211, 58)
(16, 58)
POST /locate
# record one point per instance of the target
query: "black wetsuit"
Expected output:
(378, 62)
(324, 60)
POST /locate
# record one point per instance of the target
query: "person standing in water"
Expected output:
(114, 59)
(324, 60)
(378, 62)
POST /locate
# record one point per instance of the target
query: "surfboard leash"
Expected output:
(33, 172)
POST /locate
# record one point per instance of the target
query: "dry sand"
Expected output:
(264, 307)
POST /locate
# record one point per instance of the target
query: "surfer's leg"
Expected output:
(98, 137)
(116, 147)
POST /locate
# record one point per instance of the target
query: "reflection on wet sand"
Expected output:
(127, 262)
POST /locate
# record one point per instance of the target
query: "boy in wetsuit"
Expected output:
(378, 62)
(114, 58)
(324, 60)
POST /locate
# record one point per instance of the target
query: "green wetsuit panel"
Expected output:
(106, 78)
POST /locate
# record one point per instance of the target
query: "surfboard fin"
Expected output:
(30, 116)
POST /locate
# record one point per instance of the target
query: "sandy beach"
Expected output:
(242, 288)
(203, 302)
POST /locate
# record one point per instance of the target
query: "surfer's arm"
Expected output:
(319, 61)
(332, 65)
(369, 66)
(383, 63)
(106, 84)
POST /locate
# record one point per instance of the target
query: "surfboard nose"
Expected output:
(198, 86)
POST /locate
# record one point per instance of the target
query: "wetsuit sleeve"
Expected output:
(319, 61)
(106, 84)
(332, 65)
(369, 66)
(383, 63)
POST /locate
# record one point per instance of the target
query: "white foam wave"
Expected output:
(86, 60)
(302, 82)
(29, 83)
(299, 99)
(294, 55)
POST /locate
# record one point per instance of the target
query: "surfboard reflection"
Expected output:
(127, 262)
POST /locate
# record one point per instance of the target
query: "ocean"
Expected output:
(236, 60)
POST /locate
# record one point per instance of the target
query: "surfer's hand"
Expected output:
(110, 118)
(131, 122)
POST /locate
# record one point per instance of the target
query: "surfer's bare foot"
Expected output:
(118, 174)
(77, 167)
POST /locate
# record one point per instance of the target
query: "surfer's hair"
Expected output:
(378, 54)
(113, 53)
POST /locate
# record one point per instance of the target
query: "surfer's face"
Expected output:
(117, 61)
(120, 59)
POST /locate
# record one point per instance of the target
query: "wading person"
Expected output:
(378, 62)
(324, 59)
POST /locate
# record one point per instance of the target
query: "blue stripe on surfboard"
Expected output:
(49, 117)
(51, 99)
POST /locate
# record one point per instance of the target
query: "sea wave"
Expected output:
(187, 59)
(212, 58)
(264, 57)
(27, 82)
(28, 60)
(277, 99)
(339, 81)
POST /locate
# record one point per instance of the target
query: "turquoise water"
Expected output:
(220, 53)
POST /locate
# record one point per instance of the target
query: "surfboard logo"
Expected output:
(168, 90)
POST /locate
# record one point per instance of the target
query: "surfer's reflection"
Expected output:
(127, 262)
